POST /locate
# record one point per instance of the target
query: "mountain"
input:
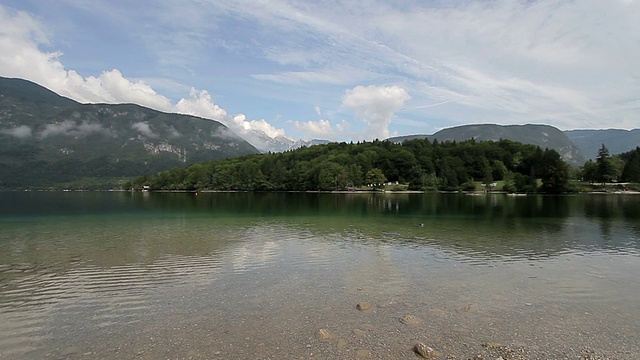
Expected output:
(306, 143)
(47, 139)
(616, 140)
(265, 143)
(544, 136)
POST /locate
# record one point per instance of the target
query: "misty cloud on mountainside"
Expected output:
(173, 132)
(144, 128)
(70, 128)
(21, 132)
(225, 133)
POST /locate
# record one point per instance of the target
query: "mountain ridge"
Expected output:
(47, 139)
(544, 136)
(616, 140)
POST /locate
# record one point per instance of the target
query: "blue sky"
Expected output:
(335, 70)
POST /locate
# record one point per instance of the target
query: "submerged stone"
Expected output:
(364, 306)
(410, 320)
(325, 335)
(363, 353)
(425, 352)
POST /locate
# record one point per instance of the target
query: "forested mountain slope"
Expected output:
(421, 164)
(616, 140)
(47, 139)
(544, 136)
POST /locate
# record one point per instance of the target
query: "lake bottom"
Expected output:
(190, 286)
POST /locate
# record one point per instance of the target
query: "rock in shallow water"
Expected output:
(363, 353)
(425, 351)
(325, 335)
(410, 320)
(363, 306)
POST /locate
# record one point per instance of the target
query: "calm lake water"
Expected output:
(255, 276)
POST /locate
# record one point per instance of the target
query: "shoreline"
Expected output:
(472, 193)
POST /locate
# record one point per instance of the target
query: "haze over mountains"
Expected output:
(48, 139)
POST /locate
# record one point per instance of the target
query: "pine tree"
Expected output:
(605, 169)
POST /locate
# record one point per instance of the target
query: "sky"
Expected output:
(338, 70)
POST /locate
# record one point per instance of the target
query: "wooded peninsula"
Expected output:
(417, 164)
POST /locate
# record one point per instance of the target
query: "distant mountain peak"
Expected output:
(545, 136)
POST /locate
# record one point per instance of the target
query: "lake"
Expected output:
(115, 275)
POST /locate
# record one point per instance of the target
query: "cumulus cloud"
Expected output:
(572, 64)
(376, 106)
(20, 38)
(240, 122)
(113, 87)
(200, 103)
(144, 129)
(21, 132)
(320, 129)
(315, 129)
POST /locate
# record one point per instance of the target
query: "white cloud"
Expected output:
(342, 76)
(572, 64)
(71, 128)
(320, 129)
(58, 129)
(240, 122)
(315, 129)
(21, 132)
(200, 103)
(115, 88)
(375, 105)
(569, 63)
(20, 37)
(144, 129)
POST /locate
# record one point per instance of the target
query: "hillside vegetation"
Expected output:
(616, 140)
(421, 164)
(544, 136)
(47, 140)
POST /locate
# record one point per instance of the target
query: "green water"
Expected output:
(240, 275)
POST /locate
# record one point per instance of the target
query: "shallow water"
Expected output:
(255, 276)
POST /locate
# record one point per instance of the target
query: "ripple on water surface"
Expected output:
(200, 287)
(41, 305)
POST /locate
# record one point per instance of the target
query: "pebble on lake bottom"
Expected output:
(410, 320)
(425, 351)
(363, 353)
(325, 335)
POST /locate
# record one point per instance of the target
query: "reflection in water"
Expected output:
(239, 275)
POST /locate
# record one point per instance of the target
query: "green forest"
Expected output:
(421, 164)
(415, 164)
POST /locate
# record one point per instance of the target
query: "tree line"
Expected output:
(607, 168)
(419, 163)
